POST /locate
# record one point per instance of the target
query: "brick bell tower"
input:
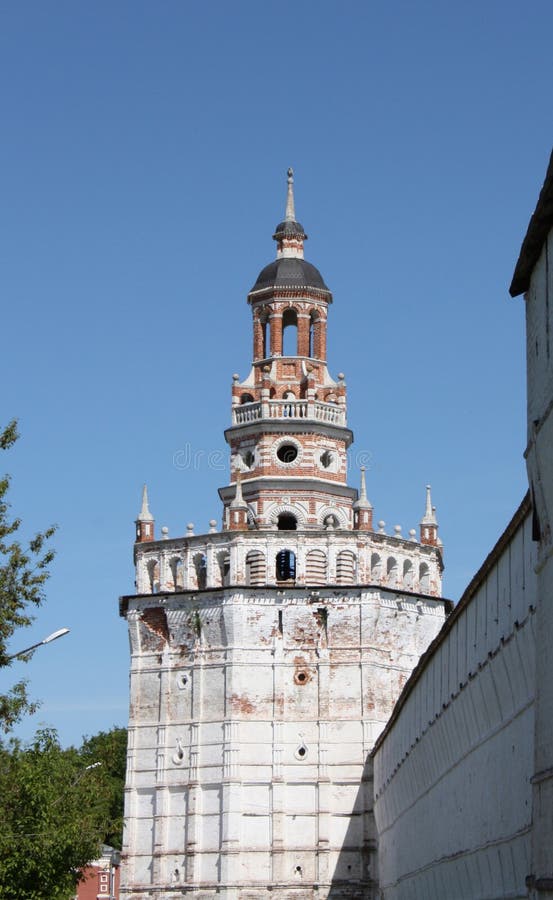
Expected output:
(289, 435)
(267, 657)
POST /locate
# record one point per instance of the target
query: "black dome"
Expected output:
(289, 272)
(289, 228)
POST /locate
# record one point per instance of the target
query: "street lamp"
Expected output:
(51, 637)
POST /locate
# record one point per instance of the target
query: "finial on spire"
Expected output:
(145, 514)
(290, 214)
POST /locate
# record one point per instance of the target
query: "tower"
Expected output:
(267, 657)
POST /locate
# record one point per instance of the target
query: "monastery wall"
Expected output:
(539, 459)
(452, 769)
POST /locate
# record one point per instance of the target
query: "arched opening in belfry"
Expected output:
(313, 320)
(290, 333)
(246, 398)
(285, 568)
(265, 336)
(287, 522)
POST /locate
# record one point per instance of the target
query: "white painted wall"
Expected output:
(453, 797)
(252, 714)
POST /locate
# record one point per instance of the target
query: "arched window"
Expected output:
(287, 522)
(246, 398)
(313, 320)
(345, 567)
(177, 571)
(290, 333)
(391, 571)
(223, 566)
(424, 578)
(265, 335)
(285, 565)
(200, 566)
(255, 567)
(376, 567)
(408, 574)
(315, 567)
(153, 575)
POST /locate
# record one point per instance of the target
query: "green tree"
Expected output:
(23, 572)
(55, 809)
(110, 748)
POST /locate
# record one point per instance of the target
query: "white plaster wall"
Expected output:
(453, 798)
(539, 457)
(241, 774)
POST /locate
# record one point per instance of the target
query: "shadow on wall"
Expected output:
(355, 876)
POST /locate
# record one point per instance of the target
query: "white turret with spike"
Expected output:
(429, 524)
(362, 508)
(145, 520)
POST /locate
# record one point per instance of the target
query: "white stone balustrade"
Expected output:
(330, 413)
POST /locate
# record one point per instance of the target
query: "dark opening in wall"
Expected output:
(287, 453)
(287, 522)
(285, 565)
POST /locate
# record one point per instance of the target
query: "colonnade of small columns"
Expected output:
(268, 332)
(201, 565)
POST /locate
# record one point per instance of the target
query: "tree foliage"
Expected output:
(23, 573)
(110, 748)
(57, 807)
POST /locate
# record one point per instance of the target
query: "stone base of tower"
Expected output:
(253, 711)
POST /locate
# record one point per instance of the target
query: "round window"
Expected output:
(287, 453)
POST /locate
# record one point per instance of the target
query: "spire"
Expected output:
(290, 214)
(145, 520)
(429, 517)
(362, 502)
(362, 508)
(145, 514)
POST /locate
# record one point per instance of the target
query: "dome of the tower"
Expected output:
(290, 272)
(289, 228)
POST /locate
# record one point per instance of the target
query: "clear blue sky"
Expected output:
(142, 168)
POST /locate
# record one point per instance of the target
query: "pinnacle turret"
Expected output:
(429, 523)
(362, 508)
(145, 520)
(238, 507)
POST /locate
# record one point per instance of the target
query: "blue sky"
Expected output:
(142, 171)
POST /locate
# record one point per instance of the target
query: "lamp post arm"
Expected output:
(51, 637)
